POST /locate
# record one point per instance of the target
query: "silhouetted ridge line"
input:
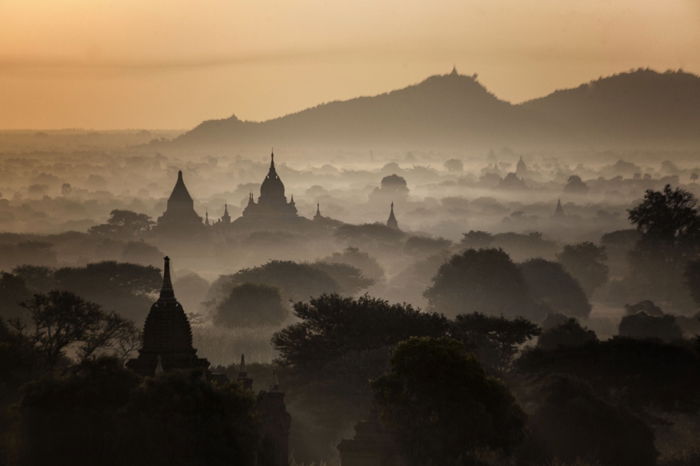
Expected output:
(452, 108)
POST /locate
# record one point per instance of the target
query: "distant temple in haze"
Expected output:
(179, 215)
(272, 202)
(271, 211)
(392, 222)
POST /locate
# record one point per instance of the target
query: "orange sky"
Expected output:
(172, 63)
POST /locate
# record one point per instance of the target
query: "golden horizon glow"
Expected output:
(173, 63)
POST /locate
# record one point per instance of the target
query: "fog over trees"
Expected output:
(440, 300)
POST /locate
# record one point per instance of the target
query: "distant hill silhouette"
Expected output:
(454, 109)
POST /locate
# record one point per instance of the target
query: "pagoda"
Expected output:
(167, 336)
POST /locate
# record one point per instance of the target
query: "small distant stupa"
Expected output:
(226, 218)
(559, 210)
(391, 222)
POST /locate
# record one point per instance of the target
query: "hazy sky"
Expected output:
(173, 63)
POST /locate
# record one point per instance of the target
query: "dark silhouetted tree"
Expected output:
(294, 281)
(572, 423)
(331, 326)
(38, 278)
(251, 305)
(643, 326)
(476, 240)
(575, 185)
(648, 307)
(349, 279)
(124, 288)
(332, 353)
(124, 224)
(484, 281)
(442, 407)
(565, 335)
(642, 374)
(182, 419)
(692, 279)
(551, 284)
(670, 237)
(73, 417)
(60, 320)
(13, 291)
(353, 256)
(493, 340)
(100, 413)
(585, 262)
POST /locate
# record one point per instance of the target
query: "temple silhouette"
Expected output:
(167, 336)
(272, 202)
(167, 346)
(179, 215)
(271, 211)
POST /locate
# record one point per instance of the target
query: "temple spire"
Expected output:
(391, 222)
(243, 379)
(272, 162)
(166, 291)
(559, 210)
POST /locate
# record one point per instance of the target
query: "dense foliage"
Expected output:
(441, 405)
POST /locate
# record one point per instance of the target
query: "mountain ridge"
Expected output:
(642, 104)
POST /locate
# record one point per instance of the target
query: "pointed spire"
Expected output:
(559, 210)
(291, 200)
(391, 222)
(318, 209)
(180, 193)
(454, 71)
(243, 379)
(206, 217)
(166, 291)
(225, 208)
(272, 162)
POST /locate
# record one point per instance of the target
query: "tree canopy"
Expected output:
(295, 281)
(124, 224)
(251, 305)
(585, 262)
(494, 340)
(331, 325)
(571, 422)
(485, 281)
(549, 283)
(60, 320)
(441, 405)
